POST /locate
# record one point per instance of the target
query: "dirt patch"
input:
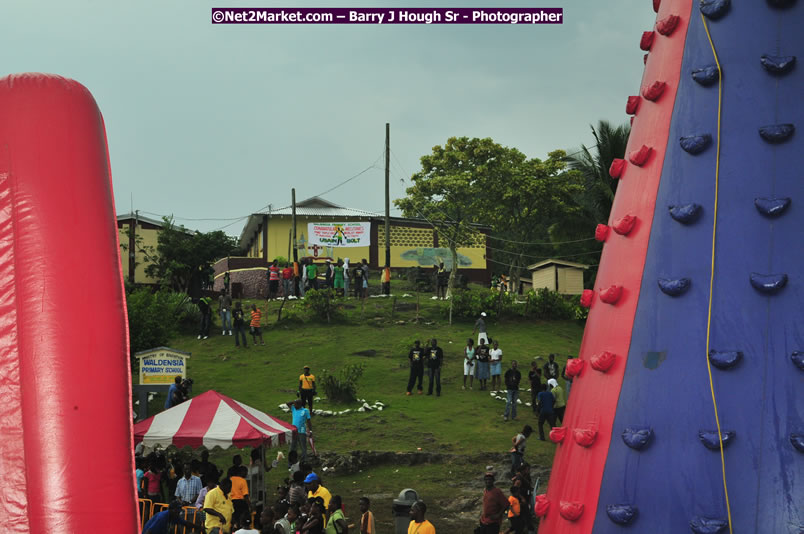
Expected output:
(368, 353)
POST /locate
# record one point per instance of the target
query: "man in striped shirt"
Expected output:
(188, 487)
(256, 317)
(273, 280)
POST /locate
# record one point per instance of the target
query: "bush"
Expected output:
(151, 320)
(322, 303)
(469, 303)
(342, 388)
(546, 304)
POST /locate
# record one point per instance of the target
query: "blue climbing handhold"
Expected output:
(798, 360)
(778, 64)
(714, 9)
(725, 359)
(674, 287)
(686, 213)
(798, 441)
(707, 75)
(768, 283)
(622, 514)
(777, 133)
(772, 207)
(709, 438)
(637, 438)
(705, 525)
(781, 4)
(695, 144)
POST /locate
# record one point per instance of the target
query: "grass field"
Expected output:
(467, 425)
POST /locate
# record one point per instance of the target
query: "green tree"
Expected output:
(443, 194)
(597, 196)
(599, 188)
(180, 254)
(522, 200)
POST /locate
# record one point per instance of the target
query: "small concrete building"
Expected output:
(564, 277)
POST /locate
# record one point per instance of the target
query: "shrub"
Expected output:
(151, 320)
(342, 388)
(322, 303)
(469, 303)
(546, 304)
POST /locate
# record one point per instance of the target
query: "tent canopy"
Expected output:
(212, 420)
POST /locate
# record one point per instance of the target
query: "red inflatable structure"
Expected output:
(65, 423)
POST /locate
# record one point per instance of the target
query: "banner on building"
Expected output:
(337, 235)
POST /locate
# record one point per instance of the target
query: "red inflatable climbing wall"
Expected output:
(66, 424)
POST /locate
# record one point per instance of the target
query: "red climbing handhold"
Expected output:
(625, 224)
(571, 511)
(542, 505)
(587, 297)
(656, 4)
(557, 434)
(667, 25)
(617, 167)
(602, 362)
(645, 59)
(639, 157)
(632, 105)
(601, 232)
(647, 41)
(584, 437)
(632, 121)
(611, 295)
(653, 91)
(574, 367)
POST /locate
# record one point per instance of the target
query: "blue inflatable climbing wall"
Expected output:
(692, 381)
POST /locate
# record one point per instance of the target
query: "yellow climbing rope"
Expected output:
(712, 270)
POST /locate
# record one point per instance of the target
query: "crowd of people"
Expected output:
(235, 501)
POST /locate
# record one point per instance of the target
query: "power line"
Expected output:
(544, 243)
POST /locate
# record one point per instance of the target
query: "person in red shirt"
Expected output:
(273, 280)
(287, 281)
(152, 482)
(494, 506)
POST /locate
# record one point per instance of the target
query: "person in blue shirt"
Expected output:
(163, 521)
(174, 393)
(546, 413)
(304, 426)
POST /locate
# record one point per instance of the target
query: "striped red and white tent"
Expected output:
(213, 420)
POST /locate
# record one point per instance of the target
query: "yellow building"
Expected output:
(134, 244)
(323, 231)
(564, 277)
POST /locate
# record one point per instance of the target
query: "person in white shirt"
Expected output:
(496, 366)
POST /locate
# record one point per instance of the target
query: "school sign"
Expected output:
(162, 365)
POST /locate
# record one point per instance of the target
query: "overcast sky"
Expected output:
(219, 121)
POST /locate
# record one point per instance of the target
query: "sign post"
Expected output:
(158, 368)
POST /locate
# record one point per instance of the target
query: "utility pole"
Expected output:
(387, 202)
(295, 248)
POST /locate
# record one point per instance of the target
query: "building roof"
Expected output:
(311, 207)
(143, 218)
(318, 207)
(547, 263)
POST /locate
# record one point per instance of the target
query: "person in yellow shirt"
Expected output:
(418, 524)
(219, 509)
(307, 387)
(315, 489)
